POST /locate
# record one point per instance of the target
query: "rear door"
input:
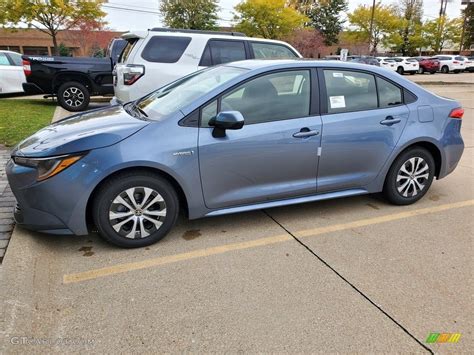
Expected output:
(275, 154)
(363, 117)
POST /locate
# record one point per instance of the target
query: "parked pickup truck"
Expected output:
(72, 80)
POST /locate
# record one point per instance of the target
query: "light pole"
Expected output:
(371, 26)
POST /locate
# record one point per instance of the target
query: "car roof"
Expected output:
(269, 64)
(5, 51)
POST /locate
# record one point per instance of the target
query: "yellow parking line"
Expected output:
(121, 268)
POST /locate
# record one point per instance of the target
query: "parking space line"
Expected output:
(169, 259)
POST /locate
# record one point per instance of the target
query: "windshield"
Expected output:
(180, 93)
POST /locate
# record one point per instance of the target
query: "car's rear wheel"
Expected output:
(400, 70)
(409, 177)
(73, 96)
(135, 209)
(432, 72)
(445, 69)
(421, 70)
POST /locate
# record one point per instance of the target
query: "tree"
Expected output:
(468, 28)
(49, 16)
(268, 18)
(190, 14)
(442, 32)
(326, 17)
(307, 41)
(64, 51)
(410, 39)
(386, 22)
(88, 34)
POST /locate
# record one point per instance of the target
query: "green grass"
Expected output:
(21, 118)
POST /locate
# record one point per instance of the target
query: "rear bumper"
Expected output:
(32, 89)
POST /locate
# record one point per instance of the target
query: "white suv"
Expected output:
(154, 58)
(406, 65)
(450, 63)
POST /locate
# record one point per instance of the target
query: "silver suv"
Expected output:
(154, 58)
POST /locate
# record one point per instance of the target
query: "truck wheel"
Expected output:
(73, 96)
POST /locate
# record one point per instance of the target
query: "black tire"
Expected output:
(421, 70)
(392, 186)
(432, 72)
(73, 96)
(103, 206)
(400, 70)
(445, 69)
(413, 73)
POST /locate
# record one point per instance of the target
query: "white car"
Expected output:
(387, 62)
(468, 64)
(154, 58)
(406, 65)
(450, 63)
(12, 76)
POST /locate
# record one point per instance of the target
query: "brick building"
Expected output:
(35, 42)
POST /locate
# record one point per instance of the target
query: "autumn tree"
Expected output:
(307, 41)
(49, 16)
(409, 37)
(89, 35)
(268, 18)
(441, 32)
(190, 14)
(326, 17)
(385, 24)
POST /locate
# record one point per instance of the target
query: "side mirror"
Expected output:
(226, 120)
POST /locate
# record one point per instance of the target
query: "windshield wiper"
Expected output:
(135, 111)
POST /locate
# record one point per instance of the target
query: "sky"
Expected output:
(143, 14)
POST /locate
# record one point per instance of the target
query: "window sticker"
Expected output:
(338, 75)
(337, 101)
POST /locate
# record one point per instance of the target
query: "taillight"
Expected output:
(26, 67)
(457, 113)
(131, 73)
(455, 62)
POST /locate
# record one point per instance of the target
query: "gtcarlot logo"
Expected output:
(26, 340)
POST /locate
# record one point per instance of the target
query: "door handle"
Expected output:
(305, 133)
(390, 120)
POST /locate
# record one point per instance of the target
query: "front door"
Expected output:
(275, 154)
(365, 117)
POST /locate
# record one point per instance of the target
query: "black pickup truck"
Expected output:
(72, 80)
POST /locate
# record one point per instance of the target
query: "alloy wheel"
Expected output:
(412, 177)
(137, 212)
(73, 96)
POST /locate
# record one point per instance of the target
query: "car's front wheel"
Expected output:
(400, 70)
(409, 177)
(445, 69)
(135, 209)
(73, 96)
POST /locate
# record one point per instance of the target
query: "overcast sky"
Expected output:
(143, 14)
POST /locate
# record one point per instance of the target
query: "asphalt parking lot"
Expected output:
(348, 275)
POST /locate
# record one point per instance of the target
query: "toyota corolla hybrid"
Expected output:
(232, 138)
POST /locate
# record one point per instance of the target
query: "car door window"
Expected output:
(222, 51)
(270, 50)
(165, 49)
(272, 97)
(3, 59)
(389, 94)
(350, 91)
(16, 59)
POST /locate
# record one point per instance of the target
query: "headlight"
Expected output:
(48, 167)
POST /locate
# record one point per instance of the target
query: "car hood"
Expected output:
(82, 132)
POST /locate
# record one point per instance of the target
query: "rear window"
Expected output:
(271, 51)
(16, 59)
(459, 58)
(411, 60)
(165, 49)
(4, 60)
(126, 51)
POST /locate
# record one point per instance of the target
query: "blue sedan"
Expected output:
(243, 136)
